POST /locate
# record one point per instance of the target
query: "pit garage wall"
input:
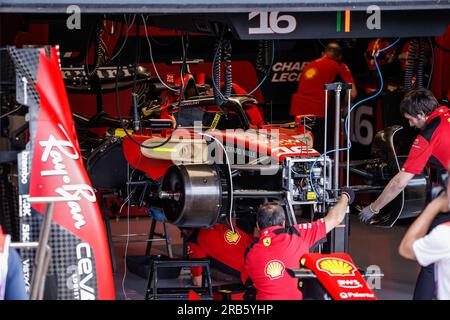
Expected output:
(290, 59)
(14, 33)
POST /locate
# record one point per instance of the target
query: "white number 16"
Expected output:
(269, 23)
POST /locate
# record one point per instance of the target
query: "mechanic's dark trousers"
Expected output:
(425, 285)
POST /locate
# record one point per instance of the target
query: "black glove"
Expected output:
(349, 193)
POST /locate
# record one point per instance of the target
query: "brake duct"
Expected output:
(196, 195)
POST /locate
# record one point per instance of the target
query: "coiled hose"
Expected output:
(263, 58)
(99, 50)
(410, 65)
(222, 47)
(421, 65)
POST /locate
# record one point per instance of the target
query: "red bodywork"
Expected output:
(58, 174)
(338, 274)
(279, 147)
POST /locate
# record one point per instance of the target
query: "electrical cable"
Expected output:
(127, 29)
(128, 202)
(182, 71)
(86, 58)
(268, 70)
(347, 134)
(230, 173)
(11, 112)
(113, 26)
(430, 77)
(134, 102)
(128, 233)
(151, 57)
(321, 43)
(141, 145)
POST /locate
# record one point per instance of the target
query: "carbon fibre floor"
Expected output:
(368, 246)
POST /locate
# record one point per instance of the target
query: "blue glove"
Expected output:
(156, 214)
(366, 214)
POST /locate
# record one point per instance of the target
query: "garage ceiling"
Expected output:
(211, 6)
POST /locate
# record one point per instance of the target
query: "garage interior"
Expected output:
(122, 66)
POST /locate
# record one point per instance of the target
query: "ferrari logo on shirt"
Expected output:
(267, 241)
(274, 269)
(336, 267)
(232, 237)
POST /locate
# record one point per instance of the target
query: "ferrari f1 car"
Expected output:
(205, 162)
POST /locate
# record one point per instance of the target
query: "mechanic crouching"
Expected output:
(280, 247)
(222, 245)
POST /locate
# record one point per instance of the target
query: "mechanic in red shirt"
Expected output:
(432, 145)
(310, 98)
(221, 245)
(279, 248)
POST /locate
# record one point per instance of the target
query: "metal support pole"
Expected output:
(41, 259)
(337, 122)
(339, 236)
(150, 239)
(168, 240)
(325, 146)
(349, 94)
(45, 264)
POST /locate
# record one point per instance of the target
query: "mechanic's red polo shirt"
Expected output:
(221, 244)
(279, 248)
(432, 144)
(310, 98)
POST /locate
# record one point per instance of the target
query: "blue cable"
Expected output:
(271, 64)
(349, 143)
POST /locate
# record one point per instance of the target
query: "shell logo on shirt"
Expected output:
(274, 269)
(232, 237)
(336, 267)
(310, 73)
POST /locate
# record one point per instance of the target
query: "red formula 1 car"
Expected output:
(206, 162)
